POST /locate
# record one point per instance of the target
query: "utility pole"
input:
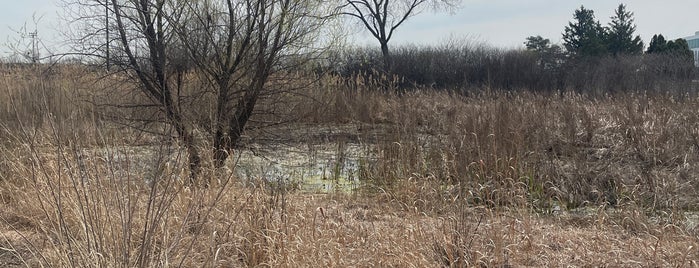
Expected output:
(35, 46)
(106, 27)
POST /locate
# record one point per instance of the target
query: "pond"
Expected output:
(315, 169)
(320, 168)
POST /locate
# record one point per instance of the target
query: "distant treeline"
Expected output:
(467, 66)
(592, 59)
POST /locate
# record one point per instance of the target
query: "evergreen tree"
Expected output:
(657, 44)
(677, 47)
(550, 55)
(620, 38)
(537, 43)
(680, 48)
(585, 36)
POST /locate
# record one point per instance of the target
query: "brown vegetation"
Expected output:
(485, 179)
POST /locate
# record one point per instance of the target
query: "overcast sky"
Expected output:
(506, 23)
(501, 23)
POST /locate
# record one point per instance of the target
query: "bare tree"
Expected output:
(230, 49)
(382, 17)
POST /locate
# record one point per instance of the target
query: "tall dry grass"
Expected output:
(521, 148)
(486, 179)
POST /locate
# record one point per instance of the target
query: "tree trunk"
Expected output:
(222, 143)
(194, 164)
(386, 57)
(193, 156)
(221, 148)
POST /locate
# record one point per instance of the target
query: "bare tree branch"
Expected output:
(382, 17)
(203, 65)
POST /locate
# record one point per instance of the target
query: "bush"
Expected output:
(465, 66)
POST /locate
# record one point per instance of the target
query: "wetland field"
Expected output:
(352, 176)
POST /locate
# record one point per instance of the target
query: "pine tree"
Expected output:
(657, 44)
(680, 48)
(585, 36)
(620, 38)
(537, 43)
(550, 55)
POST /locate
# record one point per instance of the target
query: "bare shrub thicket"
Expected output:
(468, 66)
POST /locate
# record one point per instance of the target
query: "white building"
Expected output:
(693, 42)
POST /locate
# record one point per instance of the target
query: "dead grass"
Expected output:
(491, 179)
(523, 148)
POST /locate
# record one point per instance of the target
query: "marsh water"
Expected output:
(315, 169)
(325, 168)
